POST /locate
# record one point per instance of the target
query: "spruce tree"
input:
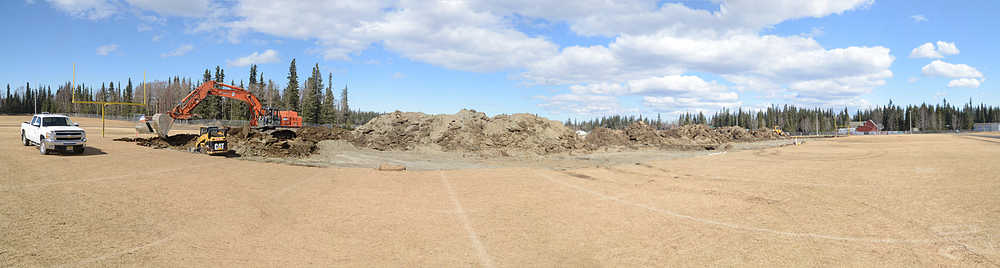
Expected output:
(220, 111)
(253, 74)
(128, 96)
(311, 112)
(329, 110)
(6, 101)
(203, 109)
(291, 95)
(345, 111)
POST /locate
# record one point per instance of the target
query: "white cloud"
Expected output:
(156, 38)
(90, 9)
(912, 80)
(581, 104)
(613, 18)
(672, 104)
(965, 82)
(946, 48)
(268, 56)
(106, 49)
(918, 18)
(928, 50)
(450, 34)
(143, 28)
(183, 8)
(672, 85)
(766, 63)
(939, 68)
(653, 44)
(100, 9)
(398, 75)
(179, 51)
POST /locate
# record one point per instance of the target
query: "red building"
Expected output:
(869, 126)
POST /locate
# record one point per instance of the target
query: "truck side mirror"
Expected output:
(76, 124)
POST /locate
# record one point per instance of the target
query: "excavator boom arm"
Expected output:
(259, 116)
(184, 110)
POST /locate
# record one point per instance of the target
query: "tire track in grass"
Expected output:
(484, 257)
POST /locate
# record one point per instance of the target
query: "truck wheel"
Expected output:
(41, 147)
(25, 139)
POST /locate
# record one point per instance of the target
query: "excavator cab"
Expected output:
(212, 140)
(275, 118)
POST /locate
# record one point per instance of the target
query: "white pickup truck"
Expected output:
(53, 132)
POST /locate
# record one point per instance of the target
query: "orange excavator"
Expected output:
(260, 116)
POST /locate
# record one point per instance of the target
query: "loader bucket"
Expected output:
(158, 124)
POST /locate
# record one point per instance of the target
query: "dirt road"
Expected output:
(901, 201)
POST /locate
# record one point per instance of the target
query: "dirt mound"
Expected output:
(179, 141)
(641, 134)
(299, 142)
(604, 137)
(702, 134)
(316, 134)
(467, 131)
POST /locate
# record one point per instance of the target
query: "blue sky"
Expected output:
(543, 57)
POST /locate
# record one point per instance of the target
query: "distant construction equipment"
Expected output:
(260, 116)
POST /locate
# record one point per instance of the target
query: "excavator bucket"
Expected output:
(158, 124)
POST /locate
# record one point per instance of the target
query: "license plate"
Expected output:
(69, 147)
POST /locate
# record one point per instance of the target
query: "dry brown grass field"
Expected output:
(896, 201)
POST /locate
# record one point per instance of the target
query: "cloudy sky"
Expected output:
(562, 59)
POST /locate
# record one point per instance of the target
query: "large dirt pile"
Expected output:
(640, 134)
(467, 131)
(300, 142)
(605, 137)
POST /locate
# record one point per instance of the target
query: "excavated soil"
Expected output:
(251, 142)
(297, 143)
(526, 134)
(467, 131)
(471, 133)
(179, 141)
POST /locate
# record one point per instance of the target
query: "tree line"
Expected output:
(891, 117)
(790, 118)
(616, 122)
(316, 103)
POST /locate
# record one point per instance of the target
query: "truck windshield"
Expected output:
(56, 122)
